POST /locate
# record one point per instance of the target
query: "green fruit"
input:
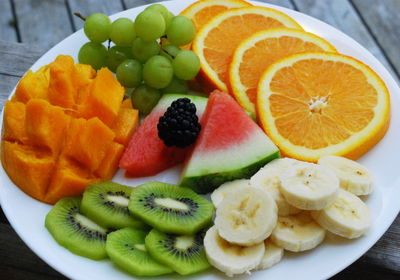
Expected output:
(126, 248)
(97, 27)
(129, 73)
(150, 25)
(180, 31)
(94, 54)
(122, 32)
(157, 72)
(186, 65)
(116, 55)
(170, 208)
(176, 86)
(106, 203)
(143, 50)
(75, 231)
(183, 253)
(145, 98)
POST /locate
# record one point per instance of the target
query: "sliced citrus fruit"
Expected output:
(257, 52)
(202, 11)
(217, 40)
(317, 104)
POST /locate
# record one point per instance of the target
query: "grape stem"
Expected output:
(79, 15)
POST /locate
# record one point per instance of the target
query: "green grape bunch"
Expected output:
(144, 53)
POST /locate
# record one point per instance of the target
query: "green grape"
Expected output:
(97, 27)
(180, 31)
(157, 72)
(122, 32)
(186, 65)
(116, 55)
(144, 98)
(169, 51)
(143, 50)
(94, 54)
(176, 86)
(167, 15)
(168, 19)
(129, 73)
(150, 25)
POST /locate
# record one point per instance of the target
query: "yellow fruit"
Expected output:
(262, 49)
(202, 11)
(317, 104)
(217, 40)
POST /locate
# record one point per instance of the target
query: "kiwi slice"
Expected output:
(126, 249)
(170, 208)
(76, 232)
(183, 253)
(107, 204)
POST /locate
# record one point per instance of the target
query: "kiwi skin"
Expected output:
(143, 204)
(126, 249)
(162, 247)
(97, 206)
(80, 236)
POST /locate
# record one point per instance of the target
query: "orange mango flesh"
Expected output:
(14, 122)
(107, 167)
(62, 91)
(29, 168)
(42, 120)
(125, 124)
(104, 98)
(66, 127)
(33, 85)
(88, 141)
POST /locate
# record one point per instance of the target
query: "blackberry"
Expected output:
(179, 126)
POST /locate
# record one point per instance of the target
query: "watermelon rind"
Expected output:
(205, 183)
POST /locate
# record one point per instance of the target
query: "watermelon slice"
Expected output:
(146, 154)
(230, 146)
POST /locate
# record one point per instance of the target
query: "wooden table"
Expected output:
(29, 27)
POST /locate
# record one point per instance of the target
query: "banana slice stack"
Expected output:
(287, 205)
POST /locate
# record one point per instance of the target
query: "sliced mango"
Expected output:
(125, 124)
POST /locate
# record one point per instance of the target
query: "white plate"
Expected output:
(27, 215)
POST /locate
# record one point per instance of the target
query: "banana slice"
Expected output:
(273, 254)
(348, 216)
(229, 187)
(229, 258)
(353, 176)
(269, 178)
(298, 233)
(309, 186)
(246, 217)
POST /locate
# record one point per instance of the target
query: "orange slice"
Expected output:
(202, 11)
(217, 40)
(317, 104)
(259, 51)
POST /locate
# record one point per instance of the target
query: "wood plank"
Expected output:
(87, 7)
(17, 58)
(42, 23)
(3, 219)
(17, 261)
(283, 3)
(382, 18)
(7, 83)
(7, 22)
(342, 15)
(136, 3)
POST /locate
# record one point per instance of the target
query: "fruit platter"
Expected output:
(202, 140)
